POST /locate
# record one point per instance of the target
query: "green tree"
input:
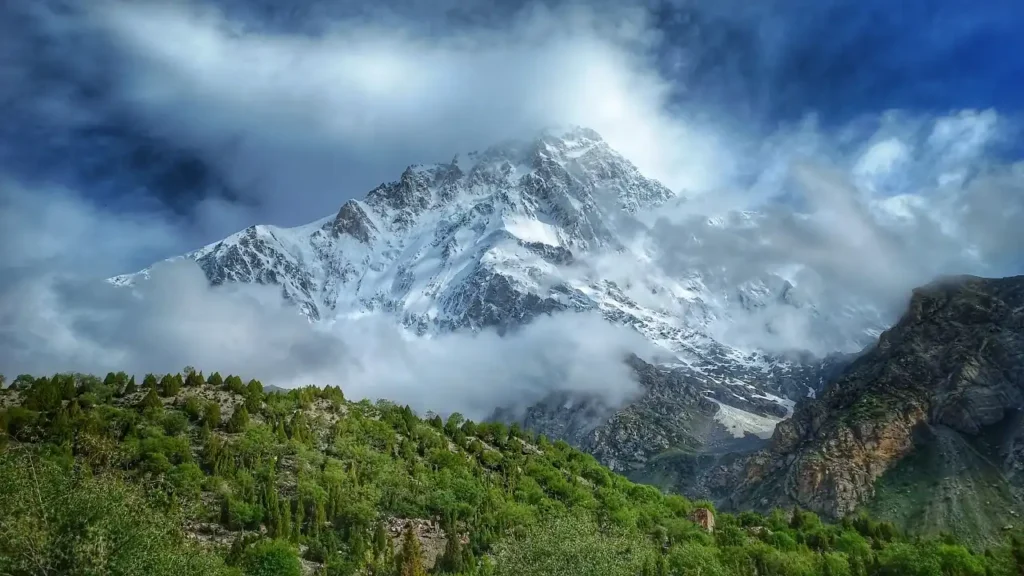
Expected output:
(254, 390)
(211, 415)
(271, 558)
(150, 401)
(234, 384)
(570, 545)
(452, 560)
(169, 386)
(454, 421)
(215, 380)
(239, 420)
(193, 408)
(59, 522)
(410, 558)
(194, 379)
(174, 423)
(149, 382)
(130, 387)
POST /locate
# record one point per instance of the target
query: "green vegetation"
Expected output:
(195, 475)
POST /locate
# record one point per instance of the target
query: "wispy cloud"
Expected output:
(177, 319)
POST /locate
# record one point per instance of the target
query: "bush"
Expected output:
(239, 420)
(175, 423)
(57, 522)
(271, 558)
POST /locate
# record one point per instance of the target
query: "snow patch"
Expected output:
(529, 230)
(740, 422)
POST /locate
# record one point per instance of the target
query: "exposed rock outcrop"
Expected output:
(954, 361)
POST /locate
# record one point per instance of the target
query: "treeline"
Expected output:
(186, 474)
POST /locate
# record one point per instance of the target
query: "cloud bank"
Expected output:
(176, 319)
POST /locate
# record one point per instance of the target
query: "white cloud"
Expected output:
(175, 319)
(290, 116)
(854, 224)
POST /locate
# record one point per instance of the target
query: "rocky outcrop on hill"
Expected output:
(953, 364)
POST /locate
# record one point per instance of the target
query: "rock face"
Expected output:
(704, 518)
(950, 371)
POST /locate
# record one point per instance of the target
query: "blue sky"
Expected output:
(842, 58)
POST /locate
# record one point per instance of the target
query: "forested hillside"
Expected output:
(186, 474)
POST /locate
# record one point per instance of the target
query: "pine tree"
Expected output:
(239, 420)
(194, 379)
(225, 512)
(410, 560)
(452, 559)
(381, 543)
(130, 387)
(150, 400)
(234, 384)
(149, 382)
(298, 519)
(61, 428)
(254, 396)
(468, 560)
(169, 386)
(286, 518)
(357, 545)
(211, 415)
(215, 380)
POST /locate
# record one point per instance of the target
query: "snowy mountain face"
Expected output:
(497, 238)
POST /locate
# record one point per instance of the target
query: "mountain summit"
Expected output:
(557, 223)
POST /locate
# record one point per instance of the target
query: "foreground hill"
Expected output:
(923, 429)
(188, 475)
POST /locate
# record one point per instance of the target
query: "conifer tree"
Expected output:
(150, 400)
(234, 384)
(215, 380)
(130, 387)
(410, 559)
(211, 415)
(239, 420)
(194, 379)
(254, 396)
(380, 540)
(169, 386)
(149, 382)
(452, 559)
(286, 518)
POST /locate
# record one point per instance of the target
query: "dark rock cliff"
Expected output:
(953, 365)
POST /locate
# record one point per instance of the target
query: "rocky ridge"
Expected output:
(948, 378)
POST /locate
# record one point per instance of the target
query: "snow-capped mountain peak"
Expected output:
(498, 237)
